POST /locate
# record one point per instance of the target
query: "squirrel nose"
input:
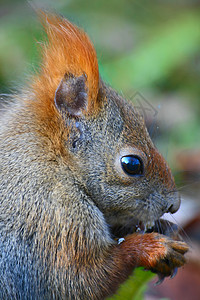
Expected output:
(175, 205)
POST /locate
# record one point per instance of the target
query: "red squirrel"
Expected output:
(79, 178)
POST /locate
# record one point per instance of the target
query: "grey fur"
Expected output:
(56, 213)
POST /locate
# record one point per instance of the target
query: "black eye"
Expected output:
(132, 165)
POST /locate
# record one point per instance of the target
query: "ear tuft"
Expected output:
(71, 95)
(68, 51)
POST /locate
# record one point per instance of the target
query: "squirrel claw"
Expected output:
(161, 278)
(175, 271)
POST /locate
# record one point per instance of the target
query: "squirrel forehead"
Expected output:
(68, 50)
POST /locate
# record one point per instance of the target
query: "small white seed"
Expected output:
(121, 240)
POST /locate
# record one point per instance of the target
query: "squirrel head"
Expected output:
(109, 152)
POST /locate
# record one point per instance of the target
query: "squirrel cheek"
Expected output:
(159, 172)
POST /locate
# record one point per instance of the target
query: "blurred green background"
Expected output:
(148, 50)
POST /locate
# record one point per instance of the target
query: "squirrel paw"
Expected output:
(168, 261)
(155, 252)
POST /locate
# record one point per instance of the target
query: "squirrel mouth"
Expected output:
(145, 227)
(161, 226)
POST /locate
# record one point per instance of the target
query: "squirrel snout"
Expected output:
(175, 205)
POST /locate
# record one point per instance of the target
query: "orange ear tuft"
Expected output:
(69, 50)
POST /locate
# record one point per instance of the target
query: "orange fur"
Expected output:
(69, 50)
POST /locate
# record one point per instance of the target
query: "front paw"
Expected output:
(155, 252)
(170, 258)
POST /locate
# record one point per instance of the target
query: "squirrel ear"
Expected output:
(71, 95)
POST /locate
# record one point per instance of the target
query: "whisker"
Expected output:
(181, 231)
(186, 178)
(188, 185)
(170, 192)
(159, 202)
(160, 227)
